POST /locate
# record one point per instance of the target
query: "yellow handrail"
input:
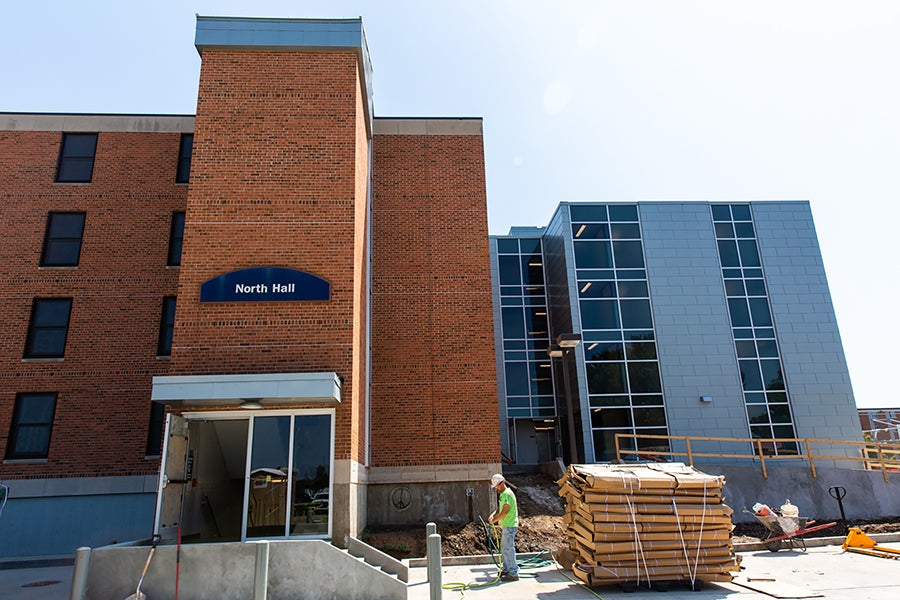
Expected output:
(886, 459)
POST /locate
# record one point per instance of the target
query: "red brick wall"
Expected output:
(274, 182)
(103, 406)
(434, 383)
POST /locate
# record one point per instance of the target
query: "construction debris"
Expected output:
(646, 523)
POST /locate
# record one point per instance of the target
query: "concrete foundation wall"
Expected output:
(440, 502)
(297, 569)
(868, 495)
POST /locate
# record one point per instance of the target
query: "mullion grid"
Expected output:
(611, 402)
(774, 403)
(533, 346)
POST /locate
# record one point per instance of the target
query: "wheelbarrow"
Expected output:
(786, 531)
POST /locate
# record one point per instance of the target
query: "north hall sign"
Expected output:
(265, 284)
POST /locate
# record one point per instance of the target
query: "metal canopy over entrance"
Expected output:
(267, 389)
(229, 476)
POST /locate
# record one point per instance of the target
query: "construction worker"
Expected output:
(507, 516)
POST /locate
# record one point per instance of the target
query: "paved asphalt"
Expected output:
(824, 572)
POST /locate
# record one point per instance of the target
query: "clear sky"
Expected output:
(628, 100)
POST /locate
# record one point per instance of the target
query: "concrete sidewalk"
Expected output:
(823, 572)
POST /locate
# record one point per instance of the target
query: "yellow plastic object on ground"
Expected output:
(859, 542)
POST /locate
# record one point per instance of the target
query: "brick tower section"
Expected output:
(434, 385)
(278, 178)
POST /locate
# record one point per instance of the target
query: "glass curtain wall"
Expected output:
(619, 343)
(525, 329)
(762, 376)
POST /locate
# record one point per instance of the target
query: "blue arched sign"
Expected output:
(265, 284)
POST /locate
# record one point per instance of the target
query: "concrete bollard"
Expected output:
(430, 529)
(80, 574)
(261, 576)
(434, 566)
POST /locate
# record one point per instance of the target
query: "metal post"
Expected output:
(261, 576)
(80, 575)
(434, 566)
(570, 416)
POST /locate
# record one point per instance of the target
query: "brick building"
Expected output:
(246, 321)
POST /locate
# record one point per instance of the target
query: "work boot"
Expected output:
(509, 577)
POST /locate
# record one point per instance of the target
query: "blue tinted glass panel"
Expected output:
(516, 379)
(507, 246)
(633, 289)
(740, 315)
(728, 253)
(746, 348)
(604, 351)
(759, 310)
(509, 270)
(780, 413)
(776, 397)
(590, 231)
(753, 273)
(721, 212)
(649, 417)
(647, 400)
(618, 212)
(740, 212)
(513, 323)
(597, 289)
(589, 274)
(601, 336)
(513, 344)
(625, 231)
(606, 378)
(743, 334)
(629, 255)
(764, 333)
(593, 255)
(519, 412)
(771, 373)
(732, 273)
(641, 350)
(755, 398)
(749, 254)
(636, 314)
(750, 375)
(767, 349)
(587, 212)
(734, 287)
(631, 274)
(724, 230)
(757, 414)
(515, 356)
(744, 230)
(511, 301)
(532, 267)
(599, 314)
(639, 336)
(644, 377)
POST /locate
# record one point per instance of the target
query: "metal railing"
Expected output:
(883, 456)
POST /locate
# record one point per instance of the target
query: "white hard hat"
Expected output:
(497, 480)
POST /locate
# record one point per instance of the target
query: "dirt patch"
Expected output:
(541, 527)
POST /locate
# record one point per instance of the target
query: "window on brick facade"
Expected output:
(62, 239)
(176, 238)
(76, 158)
(184, 158)
(166, 327)
(155, 429)
(48, 328)
(32, 423)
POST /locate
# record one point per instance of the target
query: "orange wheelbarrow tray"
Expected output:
(786, 531)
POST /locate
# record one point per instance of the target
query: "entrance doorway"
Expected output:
(237, 476)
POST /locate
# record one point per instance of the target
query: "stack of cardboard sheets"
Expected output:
(645, 523)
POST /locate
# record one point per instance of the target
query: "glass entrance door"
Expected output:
(288, 483)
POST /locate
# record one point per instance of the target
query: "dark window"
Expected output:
(759, 309)
(587, 212)
(76, 158)
(629, 255)
(517, 379)
(636, 314)
(48, 328)
(532, 267)
(771, 372)
(649, 417)
(728, 254)
(507, 246)
(184, 158)
(724, 230)
(750, 375)
(62, 239)
(176, 239)
(749, 254)
(641, 350)
(644, 377)
(32, 422)
(593, 255)
(590, 231)
(740, 315)
(611, 417)
(604, 351)
(633, 289)
(599, 314)
(741, 212)
(155, 429)
(166, 326)
(744, 230)
(530, 246)
(721, 212)
(623, 213)
(606, 378)
(597, 289)
(626, 231)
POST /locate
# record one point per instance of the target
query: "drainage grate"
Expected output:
(40, 583)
